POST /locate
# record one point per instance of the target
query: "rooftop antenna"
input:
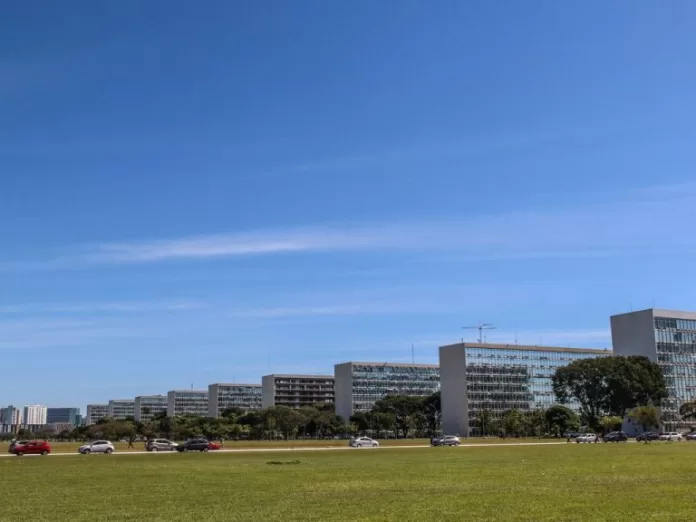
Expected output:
(516, 342)
(413, 357)
(480, 327)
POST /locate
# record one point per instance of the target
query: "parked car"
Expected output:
(34, 447)
(15, 443)
(361, 442)
(672, 436)
(98, 446)
(648, 435)
(615, 436)
(691, 436)
(197, 444)
(161, 445)
(447, 440)
(587, 437)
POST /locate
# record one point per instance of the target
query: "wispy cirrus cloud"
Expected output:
(641, 221)
(124, 306)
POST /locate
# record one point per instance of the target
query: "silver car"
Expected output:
(98, 446)
(161, 445)
(363, 442)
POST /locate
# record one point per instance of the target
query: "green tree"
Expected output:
(646, 416)
(432, 409)
(484, 421)
(404, 408)
(609, 386)
(512, 422)
(561, 420)
(610, 423)
(688, 411)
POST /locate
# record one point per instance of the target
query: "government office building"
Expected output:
(296, 391)
(222, 396)
(478, 377)
(667, 337)
(121, 409)
(359, 385)
(187, 402)
(96, 412)
(147, 406)
(63, 416)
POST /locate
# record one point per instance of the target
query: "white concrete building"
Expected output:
(222, 396)
(35, 415)
(296, 390)
(96, 412)
(147, 406)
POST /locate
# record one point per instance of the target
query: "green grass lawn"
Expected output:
(537, 483)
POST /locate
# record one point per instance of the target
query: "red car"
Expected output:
(213, 446)
(34, 447)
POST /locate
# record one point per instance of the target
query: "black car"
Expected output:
(616, 436)
(648, 435)
(198, 444)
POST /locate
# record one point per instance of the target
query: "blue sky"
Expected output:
(192, 195)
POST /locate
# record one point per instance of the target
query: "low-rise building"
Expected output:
(296, 391)
(359, 385)
(147, 406)
(222, 396)
(187, 402)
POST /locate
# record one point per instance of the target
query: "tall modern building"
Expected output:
(96, 412)
(360, 384)
(478, 377)
(296, 390)
(35, 415)
(187, 402)
(63, 416)
(667, 337)
(11, 416)
(147, 406)
(222, 396)
(121, 409)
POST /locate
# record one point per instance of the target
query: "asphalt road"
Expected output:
(281, 450)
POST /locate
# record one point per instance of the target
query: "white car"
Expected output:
(98, 446)
(691, 436)
(363, 442)
(587, 437)
(672, 436)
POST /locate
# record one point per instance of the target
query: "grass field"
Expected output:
(536, 483)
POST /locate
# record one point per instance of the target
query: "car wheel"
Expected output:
(358, 445)
(109, 451)
(154, 448)
(86, 452)
(20, 453)
(206, 450)
(44, 453)
(185, 450)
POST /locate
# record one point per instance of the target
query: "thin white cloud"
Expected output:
(324, 311)
(642, 222)
(127, 306)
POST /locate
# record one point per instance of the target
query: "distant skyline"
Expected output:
(200, 196)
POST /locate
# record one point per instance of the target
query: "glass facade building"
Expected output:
(296, 391)
(667, 337)
(187, 402)
(121, 409)
(222, 396)
(96, 412)
(147, 406)
(359, 385)
(64, 416)
(495, 378)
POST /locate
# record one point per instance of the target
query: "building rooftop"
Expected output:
(527, 347)
(400, 365)
(299, 376)
(235, 384)
(121, 400)
(663, 312)
(188, 391)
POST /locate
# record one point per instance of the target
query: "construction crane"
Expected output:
(480, 327)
